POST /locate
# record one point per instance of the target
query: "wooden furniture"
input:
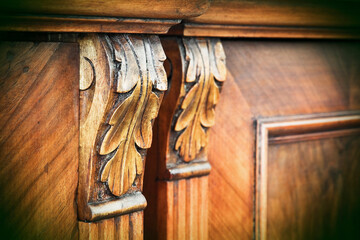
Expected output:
(179, 119)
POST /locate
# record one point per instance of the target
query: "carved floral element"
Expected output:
(205, 64)
(137, 69)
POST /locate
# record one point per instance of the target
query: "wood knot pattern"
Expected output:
(130, 102)
(204, 70)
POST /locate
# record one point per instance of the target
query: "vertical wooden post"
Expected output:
(122, 80)
(196, 69)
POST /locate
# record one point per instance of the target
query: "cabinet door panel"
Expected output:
(268, 78)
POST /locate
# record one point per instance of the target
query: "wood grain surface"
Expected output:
(276, 19)
(38, 140)
(269, 78)
(295, 222)
(176, 9)
(176, 185)
(181, 210)
(248, 31)
(60, 23)
(320, 198)
(310, 13)
(127, 227)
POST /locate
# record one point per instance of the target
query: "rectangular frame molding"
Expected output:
(289, 129)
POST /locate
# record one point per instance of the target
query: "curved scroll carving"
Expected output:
(122, 80)
(204, 68)
(131, 121)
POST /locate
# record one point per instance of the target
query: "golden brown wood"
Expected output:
(84, 24)
(121, 81)
(203, 64)
(277, 19)
(185, 214)
(320, 200)
(266, 128)
(38, 140)
(197, 71)
(218, 30)
(265, 79)
(176, 9)
(122, 227)
(311, 13)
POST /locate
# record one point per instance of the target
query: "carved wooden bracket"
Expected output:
(196, 71)
(122, 80)
(189, 109)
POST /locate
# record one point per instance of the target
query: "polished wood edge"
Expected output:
(309, 13)
(312, 136)
(164, 9)
(124, 205)
(303, 124)
(49, 23)
(213, 30)
(307, 127)
(188, 170)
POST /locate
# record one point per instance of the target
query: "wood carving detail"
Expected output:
(131, 121)
(203, 71)
(122, 81)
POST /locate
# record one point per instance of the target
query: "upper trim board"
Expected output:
(309, 13)
(160, 9)
(55, 23)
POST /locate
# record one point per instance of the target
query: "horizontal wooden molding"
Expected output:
(253, 31)
(127, 204)
(122, 80)
(310, 13)
(279, 130)
(62, 23)
(164, 9)
(187, 170)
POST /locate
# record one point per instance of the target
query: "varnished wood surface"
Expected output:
(38, 140)
(269, 78)
(127, 227)
(247, 31)
(181, 210)
(30, 23)
(320, 198)
(277, 19)
(175, 184)
(325, 126)
(122, 80)
(176, 9)
(310, 13)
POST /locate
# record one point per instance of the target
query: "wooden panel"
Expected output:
(269, 78)
(313, 189)
(128, 226)
(38, 140)
(298, 195)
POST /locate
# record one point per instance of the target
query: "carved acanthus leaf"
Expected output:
(205, 60)
(138, 67)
